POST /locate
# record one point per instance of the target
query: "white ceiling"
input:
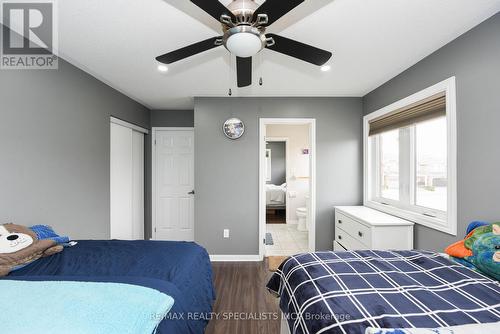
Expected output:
(372, 41)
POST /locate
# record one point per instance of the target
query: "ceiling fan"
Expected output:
(244, 25)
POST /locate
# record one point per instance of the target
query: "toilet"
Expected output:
(302, 218)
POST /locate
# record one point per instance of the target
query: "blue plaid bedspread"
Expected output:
(346, 292)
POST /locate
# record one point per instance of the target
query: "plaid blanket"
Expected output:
(346, 292)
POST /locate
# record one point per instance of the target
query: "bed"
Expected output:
(347, 292)
(181, 270)
(275, 195)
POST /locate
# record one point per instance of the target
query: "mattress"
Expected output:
(346, 292)
(182, 270)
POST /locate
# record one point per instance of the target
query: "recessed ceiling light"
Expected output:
(163, 68)
(325, 68)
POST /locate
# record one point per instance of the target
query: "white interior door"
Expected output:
(126, 183)
(173, 211)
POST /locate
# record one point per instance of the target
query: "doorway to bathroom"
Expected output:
(287, 186)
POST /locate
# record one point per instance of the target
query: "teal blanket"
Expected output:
(80, 307)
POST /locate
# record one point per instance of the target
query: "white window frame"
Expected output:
(439, 220)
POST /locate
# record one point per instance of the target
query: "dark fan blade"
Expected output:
(244, 71)
(214, 8)
(276, 9)
(299, 50)
(188, 51)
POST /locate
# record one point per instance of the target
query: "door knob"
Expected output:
(191, 192)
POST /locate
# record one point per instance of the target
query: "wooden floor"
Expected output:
(275, 216)
(241, 291)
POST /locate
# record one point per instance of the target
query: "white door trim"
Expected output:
(262, 171)
(153, 172)
(287, 168)
(128, 125)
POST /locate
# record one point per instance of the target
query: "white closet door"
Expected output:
(127, 183)
(137, 185)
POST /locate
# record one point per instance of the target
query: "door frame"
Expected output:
(287, 168)
(154, 131)
(312, 178)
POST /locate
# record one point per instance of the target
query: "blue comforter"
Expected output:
(181, 270)
(346, 292)
(100, 307)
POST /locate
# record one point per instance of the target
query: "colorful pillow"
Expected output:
(480, 248)
(20, 245)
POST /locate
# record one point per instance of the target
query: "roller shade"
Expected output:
(429, 108)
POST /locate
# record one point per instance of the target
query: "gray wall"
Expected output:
(474, 58)
(54, 148)
(227, 171)
(172, 118)
(278, 162)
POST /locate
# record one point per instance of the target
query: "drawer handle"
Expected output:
(360, 234)
(340, 221)
(340, 237)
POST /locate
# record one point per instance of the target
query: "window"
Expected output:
(431, 166)
(389, 165)
(410, 158)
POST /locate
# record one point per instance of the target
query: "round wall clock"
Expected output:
(233, 128)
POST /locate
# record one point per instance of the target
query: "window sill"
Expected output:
(445, 226)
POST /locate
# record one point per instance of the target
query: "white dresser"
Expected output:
(359, 227)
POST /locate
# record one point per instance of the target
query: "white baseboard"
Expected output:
(235, 258)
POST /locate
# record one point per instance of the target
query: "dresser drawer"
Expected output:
(347, 241)
(354, 228)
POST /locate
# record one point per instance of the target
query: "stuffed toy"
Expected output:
(20, 245)
(480, 248)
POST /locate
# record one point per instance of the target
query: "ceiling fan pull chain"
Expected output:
(229, 75)
(261, 82)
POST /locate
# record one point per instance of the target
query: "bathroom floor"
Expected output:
(287, 240)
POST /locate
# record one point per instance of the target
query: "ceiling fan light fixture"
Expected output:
(244, 41)
(244, 44)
